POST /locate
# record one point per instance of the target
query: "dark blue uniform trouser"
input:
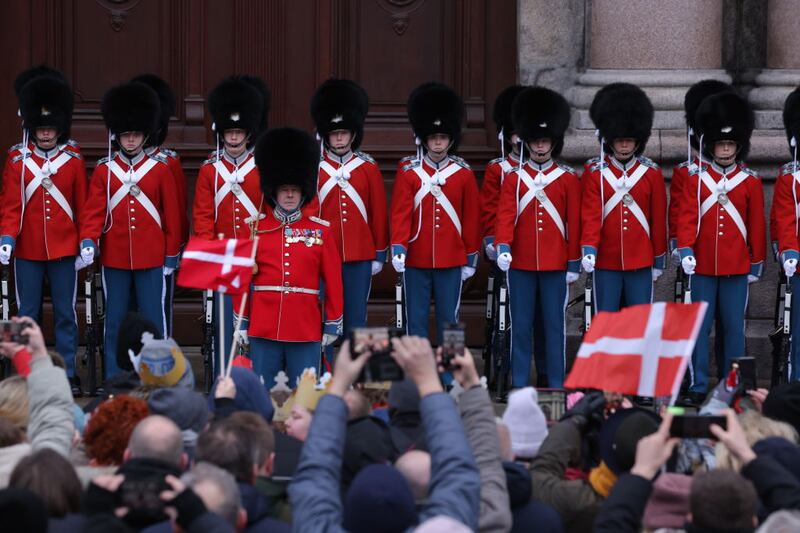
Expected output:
(794, 359)
(728, 295)
(357, 282)
(149, 287)
(532, 291)
(270, 357)
(611, 285)
(29, 279)
(444, 284)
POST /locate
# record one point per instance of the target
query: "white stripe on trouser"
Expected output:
(163, 298)
(405, 302)
(105, 322)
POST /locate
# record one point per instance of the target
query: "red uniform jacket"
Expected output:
(174, 164)
(136, 227)
(731, 238)
(293, 258)
(548, 227)
(496, 172)
(354, 204)
(217, 208)
(783, 215)
(634, 233)
(680, 175)
(43, 219)
(437, 226)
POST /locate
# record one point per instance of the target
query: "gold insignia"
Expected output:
(726, 129)
(337, 119)
(235, 117)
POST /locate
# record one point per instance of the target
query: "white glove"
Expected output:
(467, 272)
(751, 278)
(676, 257)
(5, 254)
(689, 263)
(79, 264)
(377, 266)
(790, 267)
(328, 339)
(241, 337)
(399, 262)
(491, 253)
(504, 261)
(588, 263)
(168, 271)
(572, 277)
(87, 254)
(657, 273)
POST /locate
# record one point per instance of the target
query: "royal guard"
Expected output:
(721, 229)
(297, 256)
(155, 146)
(785, 221)
(350, 193)
(45, 187)
(228, 196)
(624, 203)
(132, 215)
(538, 233)
(435, 212)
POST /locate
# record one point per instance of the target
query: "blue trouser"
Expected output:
(530, 292)
(794, 358)
(270, 357)
(169, 295)
(29, 278)
(539, 357)
(610, 286)
(444, 284)
(357, 281)
(728, 295)
(149, 287)
(227, 304)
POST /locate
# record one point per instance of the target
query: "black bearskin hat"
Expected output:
(166, 98)
(287, 156)
(235, 103)
(537, 113)
(501, 113)
(791, 117)
(623, 111)
(696, 94)
(132, 106)
(436, 108)
(340, 105)
(725, 117)
(47, 101)
(35, 72)
(266, 100)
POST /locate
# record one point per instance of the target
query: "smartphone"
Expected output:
(381, 365)
(453, 339)
(11, 332)
(747, 373)
(695, 426)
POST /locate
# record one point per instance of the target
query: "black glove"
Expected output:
(588, 411)
(189, 507)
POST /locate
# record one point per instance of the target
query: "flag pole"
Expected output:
(221, 334)
(238, 328)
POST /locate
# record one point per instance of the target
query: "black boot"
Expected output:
(75, 385)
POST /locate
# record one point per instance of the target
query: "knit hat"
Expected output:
(22, 511)
(161, 363)
(185, 407)
(781, 450)
(621, 433)
(669, 502)
(526, 422)
(366, 442)
(783, 403)
(251, 394)
(379, 499)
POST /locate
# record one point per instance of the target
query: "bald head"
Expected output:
(157, 437)
(416, 468)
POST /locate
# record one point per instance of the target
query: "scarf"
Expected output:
(602, 479)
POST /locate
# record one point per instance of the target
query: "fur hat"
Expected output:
(266, 100)
(287, 156)
(725, 117)
(166, 98)
(791, 117)
(436, 108)
(132, 106)
(235, 103)
(622, 111)
(696, 94)
(35, 72)
(501, 112)
(340, 105)
(47, 101)
(541, 113)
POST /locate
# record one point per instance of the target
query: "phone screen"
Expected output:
(695, 426)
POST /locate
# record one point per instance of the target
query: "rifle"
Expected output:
(781, 336)
(399, 303)
(502, 345)
(680, 285)
(93, 293)
(489, 329)
(5, 293)
(207, 348)
(587, 302)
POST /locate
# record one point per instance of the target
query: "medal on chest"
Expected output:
(47, 183)
(723, 199)
(236, 189)
(135, 190)
(627, 199)
(436, 190)
(309, 237)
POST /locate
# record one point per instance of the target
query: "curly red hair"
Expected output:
(110, 427)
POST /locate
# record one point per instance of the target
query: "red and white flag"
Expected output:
(223, 265)
(641, 350)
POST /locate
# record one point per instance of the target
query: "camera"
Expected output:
(381, 365)
(12, 331)
(453, 343)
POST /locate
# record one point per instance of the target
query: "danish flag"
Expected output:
(641, 350)
(224, 265)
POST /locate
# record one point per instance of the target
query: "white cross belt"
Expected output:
(333, 181)
(126, 185)
(537, 191)
(426, 189)
(38, 181)
(228, 180)
(622, 190)
(716, 194)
